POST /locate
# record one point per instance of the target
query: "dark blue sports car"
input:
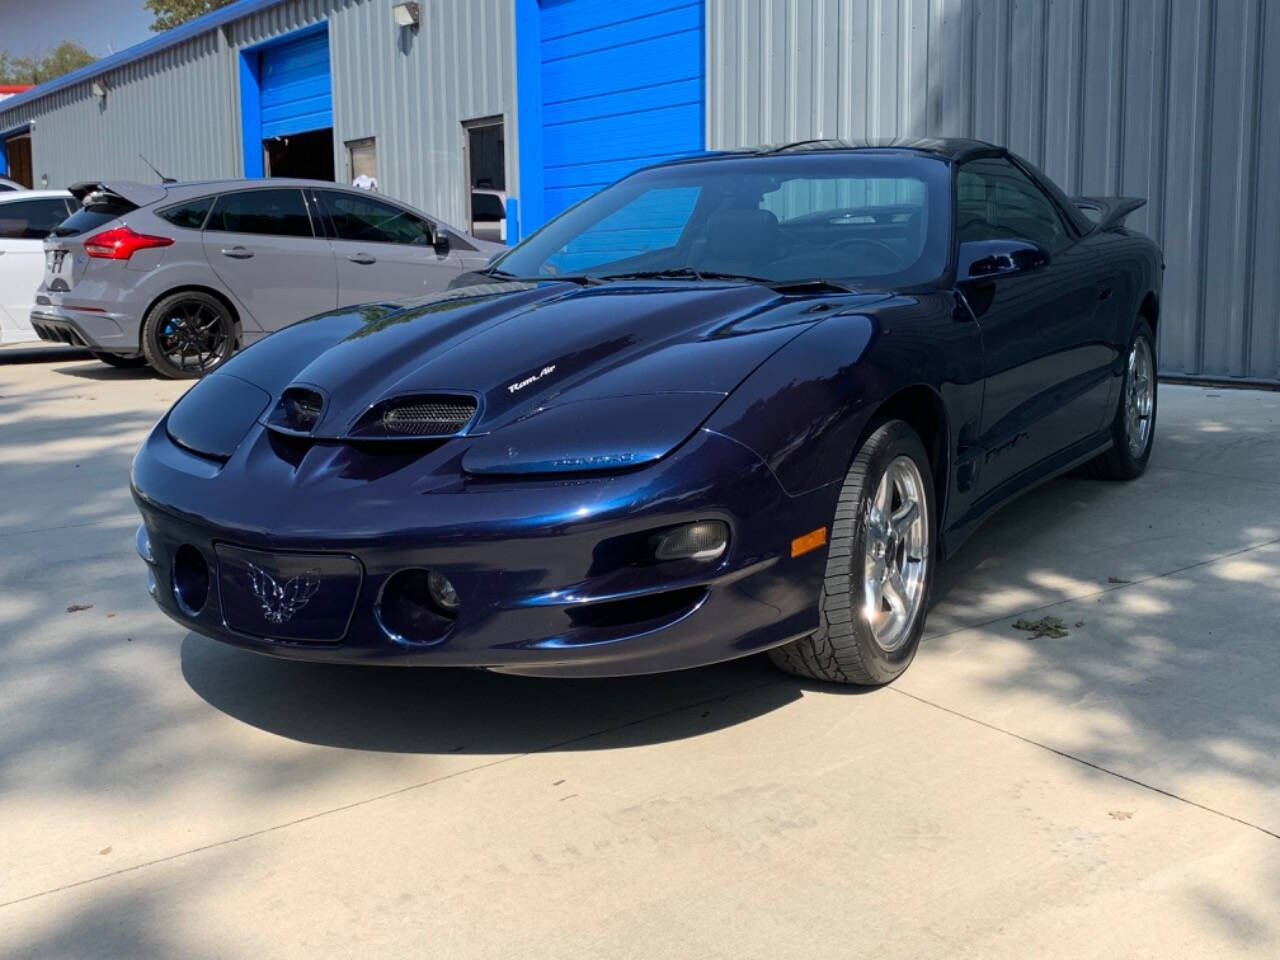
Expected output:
(736, 403)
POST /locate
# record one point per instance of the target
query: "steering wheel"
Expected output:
(878, 246)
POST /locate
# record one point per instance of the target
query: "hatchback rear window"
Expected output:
(190, 214)
(85, 219)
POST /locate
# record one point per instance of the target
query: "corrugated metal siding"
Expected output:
(1173, 100)
(171, 107)
(411, 91)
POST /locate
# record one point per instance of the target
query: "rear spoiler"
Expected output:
(115, 193)
(1108, 212)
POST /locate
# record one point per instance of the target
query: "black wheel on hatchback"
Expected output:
(188, 334)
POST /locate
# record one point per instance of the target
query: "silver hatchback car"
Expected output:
(179, 276)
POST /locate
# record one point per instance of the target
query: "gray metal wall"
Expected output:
(181, 107)
(173, 107)
(1174, 100)
(409, 90)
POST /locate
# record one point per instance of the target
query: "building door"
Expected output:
(17, 151)
(289, 124)
(484, 159)
(622, 85)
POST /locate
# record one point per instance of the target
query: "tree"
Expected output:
(173, 13)
(64, 58)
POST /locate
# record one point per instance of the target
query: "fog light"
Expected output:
(703, 540)
(190, 579)
(412, 607)
(442, 592)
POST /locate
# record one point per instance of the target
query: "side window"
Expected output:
(372, 221)
(191, 214)
(31, 219)
(278, 213)
(997, 201)
(650, 222)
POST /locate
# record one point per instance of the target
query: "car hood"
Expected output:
(521, 348)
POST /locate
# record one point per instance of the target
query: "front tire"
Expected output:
(879, 574)
(187, 335)
(1133, 429)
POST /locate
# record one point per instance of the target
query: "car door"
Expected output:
(382, 250)
(23, 226)
(1047, 353)
(262, 246)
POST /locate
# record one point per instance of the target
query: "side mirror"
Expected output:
(986, 259)
(439, 241)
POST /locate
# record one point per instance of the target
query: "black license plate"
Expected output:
(288, 596)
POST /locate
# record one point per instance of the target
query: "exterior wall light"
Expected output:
(406, 14)
(98, 90)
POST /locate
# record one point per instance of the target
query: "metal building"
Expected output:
(1173, 100)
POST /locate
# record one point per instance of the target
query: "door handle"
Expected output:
(1104, 293)
(237, 253)
(362, 258)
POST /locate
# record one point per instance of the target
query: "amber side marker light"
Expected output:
(810, 541)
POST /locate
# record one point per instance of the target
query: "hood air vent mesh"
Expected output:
(422, 417)
(428, 416)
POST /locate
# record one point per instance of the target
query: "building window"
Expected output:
(362, 160)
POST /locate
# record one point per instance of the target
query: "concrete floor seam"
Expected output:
(1089, 763)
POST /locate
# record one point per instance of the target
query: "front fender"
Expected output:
(805, 409)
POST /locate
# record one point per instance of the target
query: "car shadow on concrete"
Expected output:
(430, 710)
(42, 354)
(107, 374)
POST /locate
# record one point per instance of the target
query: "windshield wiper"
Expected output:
(679, 273)
(812, 285)
(579, 279)
(682, 273)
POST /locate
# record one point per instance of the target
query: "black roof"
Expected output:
(954, 149)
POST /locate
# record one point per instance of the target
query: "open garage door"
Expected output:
(622, 86)
(292, 113)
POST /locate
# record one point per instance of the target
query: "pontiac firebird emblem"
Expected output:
(280, 603)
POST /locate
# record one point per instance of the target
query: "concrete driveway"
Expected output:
(1111, 793)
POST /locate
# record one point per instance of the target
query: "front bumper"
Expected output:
(545, 587)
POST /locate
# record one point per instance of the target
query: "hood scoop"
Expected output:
(421, 417)
(427, 416)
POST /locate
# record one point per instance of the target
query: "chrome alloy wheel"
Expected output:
(1140, 397)
(896, 553)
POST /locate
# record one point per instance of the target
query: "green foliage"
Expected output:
(172, 13)
(66, 56)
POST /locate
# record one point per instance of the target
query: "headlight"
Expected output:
(213, 416)
(592, 435)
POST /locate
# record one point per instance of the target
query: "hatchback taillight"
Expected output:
(121, 243)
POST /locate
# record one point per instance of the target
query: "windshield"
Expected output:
(872, 219)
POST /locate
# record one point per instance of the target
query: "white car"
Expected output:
(489, 215)
(26, 218)
(7, 185)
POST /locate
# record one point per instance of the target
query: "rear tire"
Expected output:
(119, 362)
(879, 575)
(187, 335)
(1133, 428)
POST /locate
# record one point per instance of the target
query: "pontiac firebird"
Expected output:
(734, 403)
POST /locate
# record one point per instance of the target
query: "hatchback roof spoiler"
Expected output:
(1108, 211)
(138, 194)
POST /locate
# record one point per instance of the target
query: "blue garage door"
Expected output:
(294, 87)
(622, 87)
